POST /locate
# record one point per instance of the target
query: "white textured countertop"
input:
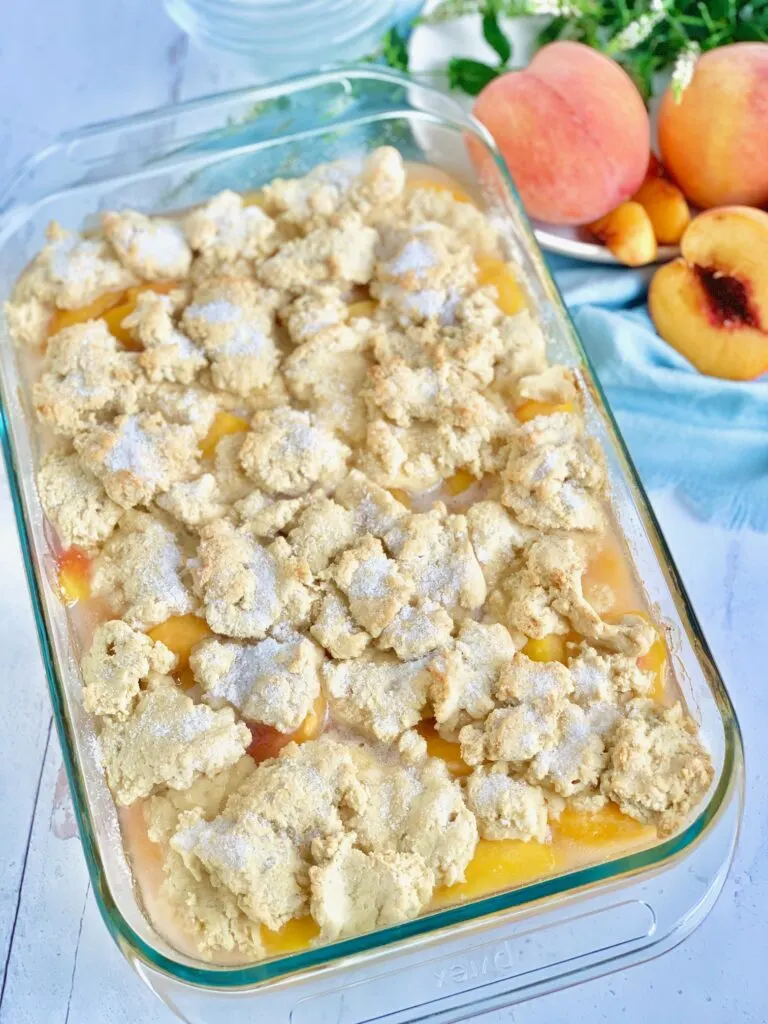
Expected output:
(63, 64)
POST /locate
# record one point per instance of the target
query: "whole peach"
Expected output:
(573, 130)
(714, 142)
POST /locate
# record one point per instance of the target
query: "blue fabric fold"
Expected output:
(707, 438)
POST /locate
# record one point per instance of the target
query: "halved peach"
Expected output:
(532, 408)
(510, 297)
(628, 232)
(180, 633)
(74, 575)
(294, 936)
(223, 423)
(600, 828)
(498, 865)
(443, 749)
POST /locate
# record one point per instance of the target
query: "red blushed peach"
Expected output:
(714, 142)
(573, 130)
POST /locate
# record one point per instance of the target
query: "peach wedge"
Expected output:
(666, 207)
(627, 231)
(711, 304)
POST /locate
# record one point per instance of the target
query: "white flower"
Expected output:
(637, 31)
(685, 65)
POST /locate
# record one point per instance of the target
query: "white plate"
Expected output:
(429, 50)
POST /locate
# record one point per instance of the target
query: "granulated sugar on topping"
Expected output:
(218, 311)
(246, 341)
(415, 257)
(134, 452)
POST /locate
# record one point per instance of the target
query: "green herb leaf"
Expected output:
(494, 36)
(394, 49)
(471, 76)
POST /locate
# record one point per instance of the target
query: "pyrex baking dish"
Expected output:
(454, 963)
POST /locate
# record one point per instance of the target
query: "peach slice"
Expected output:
(74, 575)
(656, 661)
(601, 828)
(498, 865)
(314, 723)
(510, 297)
(402, 496)
(461, 481)
(666, 207)
(294, 936)
(548, 648)
(443, 749)
(114, 317)
(628, 232)
(609, 567)
(362, 308)
(711, 304)
(223, 423)
(180, 633)
(266, 742)
(532, 408)
(69, 317)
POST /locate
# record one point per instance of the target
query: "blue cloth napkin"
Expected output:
(707, 438)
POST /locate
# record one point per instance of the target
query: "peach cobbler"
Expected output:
(358, 634)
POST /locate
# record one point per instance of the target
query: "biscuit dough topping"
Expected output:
(340, 513)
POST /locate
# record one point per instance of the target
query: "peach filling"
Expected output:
(510, 297)
(223, 423)
(656, 661)
(112, 308)
(267, 742)
(548, 648)
(180, 633)
(461, 481)
(69, 317)
(74, 575)
(443, 749)
(293, 936)
(364, 307)
(498, 865)
(531, 408)
(600, 828)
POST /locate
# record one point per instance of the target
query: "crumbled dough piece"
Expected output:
(555, 384)
(417, 630)
(209, 913)
(422, 272)
(232, 320)
(523, 350)
(521, 679)
(377, 694)
(246, 588)
(437, 555)
(414, 807)
(554, 475)
(505, 806)
(193, 502)
(463, 218)
(225, 230)
(329, 373)
(193, 407)
(336, 630)
(511, 734)
(288, 451)
(322, 531)
(373, 583)
(141, 570)
(75, 502)
(440, 394)
(496, 538)
(267, 516)
(314, 313)
(576, 761)
(86, 377)
(606, 678)
(250, 858)
(658, 768)
(153, 248)
(168, 740)
(118, 660)
(69, 272)
(270, 682)
(138, 456)
(545, 596)
(375, 510)
(234, 485)
(342, 255)
(354, 892)
(353, 184)
(168, 354)
(466, 673)
(307, 792)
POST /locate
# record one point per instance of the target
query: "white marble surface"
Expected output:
(63, 64)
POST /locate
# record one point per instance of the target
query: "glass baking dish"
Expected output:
(450, 964)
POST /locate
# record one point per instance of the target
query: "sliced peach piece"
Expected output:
(711, 304)
(510, 297)
(609, 567)
(223, 423)
(114, 317)
(294, 936)
(628, 232)
(364, 307)
(402, 496)
(461, 481)
(548, 648)
(68, 317)
(314, 723)
(180, 633)
(74, 575)
(532, 408)
(499, 865)
(656, 661)
(666, 207)
(436, 180)
(266, 742)
(443, 749)
(600, 828)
